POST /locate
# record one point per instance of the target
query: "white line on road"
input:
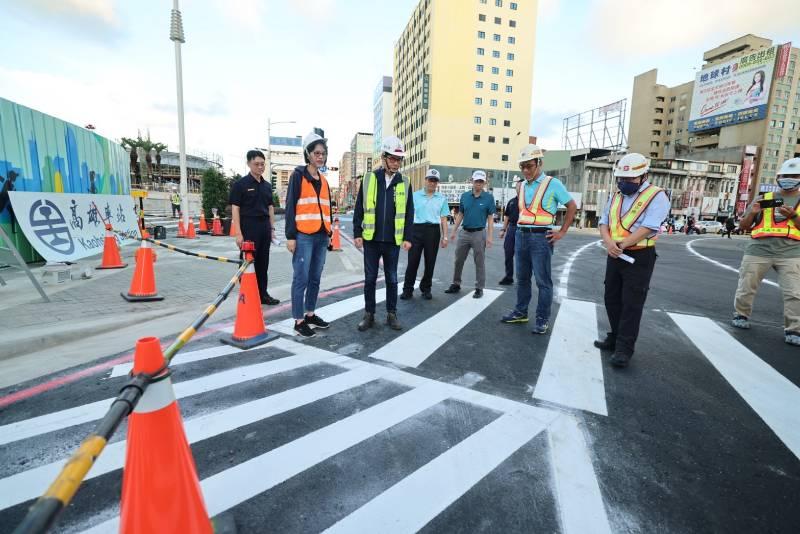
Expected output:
(416, 345)
(418, 498)
(572, 373)
(771, 395)
(563, 281)
(182, 358)
(691, 249)
(580, 502)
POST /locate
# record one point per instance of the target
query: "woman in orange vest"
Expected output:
(308, 233)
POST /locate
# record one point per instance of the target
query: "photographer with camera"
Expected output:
(774, 224)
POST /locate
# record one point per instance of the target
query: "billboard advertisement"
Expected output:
(733, 91)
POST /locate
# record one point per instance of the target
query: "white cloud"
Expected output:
(244, 14)
(316, 10)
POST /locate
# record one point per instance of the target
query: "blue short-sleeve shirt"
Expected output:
(653, 215)
(429, 209)
(476, 209)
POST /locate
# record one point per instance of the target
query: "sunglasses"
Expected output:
(527, 165)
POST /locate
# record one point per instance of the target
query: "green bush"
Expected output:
(215, 188)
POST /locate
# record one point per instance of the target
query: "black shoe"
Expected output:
(391, 320)
(304, 330)
(367, 322)
(454, 288)
(506, 281)
(478, 294)
(406, 294)
(620, 359)
(266, 299)
(316, 321)
(427, 295)
(609, 343)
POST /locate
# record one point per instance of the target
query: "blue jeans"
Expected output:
(307, 262)
(373, 252)
(533, 253)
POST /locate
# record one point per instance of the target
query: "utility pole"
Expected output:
(176, 35)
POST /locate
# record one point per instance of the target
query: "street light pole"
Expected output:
(176, 35)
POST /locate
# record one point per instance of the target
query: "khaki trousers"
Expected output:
(752, 271)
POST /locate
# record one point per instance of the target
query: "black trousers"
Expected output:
(625, 294)
(508, 248)
(424, 240)
(257, 230)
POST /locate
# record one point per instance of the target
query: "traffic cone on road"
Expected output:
(336, 241)
(160, 488)
(189, 230)
(111, 257)
(249, 330)
(181, 228)
(234, 228)
(203, 226)
(143, 285)
(216, 227)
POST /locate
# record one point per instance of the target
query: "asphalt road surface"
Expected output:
(462, 424)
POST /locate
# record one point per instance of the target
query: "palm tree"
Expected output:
(147, 146)
(132, 145)
(159, 148)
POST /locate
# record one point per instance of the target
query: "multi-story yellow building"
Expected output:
(463, 72)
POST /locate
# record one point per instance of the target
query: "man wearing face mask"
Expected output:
(774, 221)
(629, 228)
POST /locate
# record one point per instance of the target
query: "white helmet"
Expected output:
(530, 152)
(631, 166)
(790, 166)
(311, 139)
(393, 146)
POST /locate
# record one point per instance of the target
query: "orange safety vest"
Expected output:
(535, 215)
(768, 227)
(620, 225)
(313, 212)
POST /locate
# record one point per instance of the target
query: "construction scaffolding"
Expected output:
(602, 127)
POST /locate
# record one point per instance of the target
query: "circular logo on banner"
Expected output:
(50, 227)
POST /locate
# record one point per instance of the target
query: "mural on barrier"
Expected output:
(39, 152)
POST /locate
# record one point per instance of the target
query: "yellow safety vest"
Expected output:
(370, 192)
(535, 215)
(620, 225)
(176, 198)
(768, 227)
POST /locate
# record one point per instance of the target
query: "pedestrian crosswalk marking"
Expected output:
(182, 359)
(771, 395)
(415, 346)
(572, 372)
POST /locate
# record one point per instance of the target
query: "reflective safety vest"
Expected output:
(535, 214)
(313, 212)
(620, 225)
(370, 192)
(769, 227)
(176, 198)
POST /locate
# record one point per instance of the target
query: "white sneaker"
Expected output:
(740, 321)
(792, 339)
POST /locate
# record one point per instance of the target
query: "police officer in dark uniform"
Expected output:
(253, 213)
(508, 233)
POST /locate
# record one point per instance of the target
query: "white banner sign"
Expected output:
(68, 227)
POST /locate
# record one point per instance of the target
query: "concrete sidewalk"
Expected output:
(88, 319)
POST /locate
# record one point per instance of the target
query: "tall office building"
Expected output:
(382, 114)
(463, 72)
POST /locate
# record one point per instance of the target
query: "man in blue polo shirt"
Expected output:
(476, 209)
(429, 233)
(539, 197)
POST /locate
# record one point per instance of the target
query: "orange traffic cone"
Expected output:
(336, 241)
(189, 230)
(181, 228)
(202, 221)
(234, 228)
(216, 227)
(143, 285)
(160, 488)
(249, 330)
(111, 257)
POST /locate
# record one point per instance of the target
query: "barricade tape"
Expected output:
(184, 251)
(44, 512)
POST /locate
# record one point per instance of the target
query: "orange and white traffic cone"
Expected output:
(249, 330)
(189, 229)
(216, 227)
(160, 488)
(143, 285)
(234, 228)
(203, 225)
(181, 228)
(336, 240)
(111, 257)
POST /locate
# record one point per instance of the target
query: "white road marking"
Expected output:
(771, 395)
(563, 281)
(572, 372)
(581, 507)
(416, 345)
(182, 358)
(418, 498)
(691, 249)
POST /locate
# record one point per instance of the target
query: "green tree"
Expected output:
(215, 189)
(276, 200)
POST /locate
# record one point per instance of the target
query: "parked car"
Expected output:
(705, 227)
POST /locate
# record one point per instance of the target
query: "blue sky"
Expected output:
(110, 62)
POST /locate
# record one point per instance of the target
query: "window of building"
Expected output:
(715, 168)
(498, 3)
(507, 104)
(476, 155)
(657, 121)
(679, 131)
(780, 124)
(512, 23)
(512, 39)
(656, 132)
(495, 70)
(669, 132)
(476, 119)
(653, 154)
(497, 37)
(483, 1)
(672, 110)
(731, 168)
(480, 51)
(504, 157)
(478, 84)
(497, 20)
(508, 89)
(496, 53)
(510, 56)
(495, 86)
(481, 35)
(491, 139)
(493, 103)
(493, 122)
(506, 140)
(659, 110)
(514, 6)
(482, 18)
(479, 68)
(476, 137)
(509, 72)
(506, 123)
(478, 100)
(659, 99)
